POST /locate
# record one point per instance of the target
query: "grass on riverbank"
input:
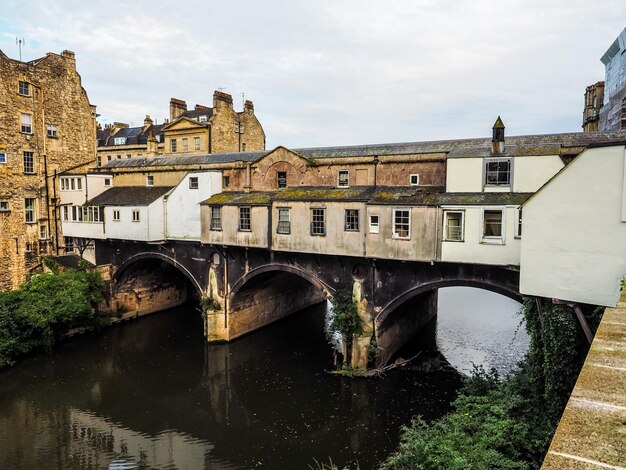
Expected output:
(45, 308)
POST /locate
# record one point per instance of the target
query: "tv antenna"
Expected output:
(20, 43)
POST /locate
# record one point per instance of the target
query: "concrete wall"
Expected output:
(421, 246)
(337, 240)
(183, 205)
(574, 240)
(474, 248)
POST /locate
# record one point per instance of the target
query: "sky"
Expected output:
(333, 72)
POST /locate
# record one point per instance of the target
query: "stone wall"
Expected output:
(54, 97)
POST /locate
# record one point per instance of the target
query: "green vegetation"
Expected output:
(504, 424)
(345, 320)
(45, 308)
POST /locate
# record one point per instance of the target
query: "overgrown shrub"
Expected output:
(45, 308)
(345, 320)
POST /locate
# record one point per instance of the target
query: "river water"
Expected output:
(153, 394)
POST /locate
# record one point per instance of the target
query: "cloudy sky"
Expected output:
(338, 72)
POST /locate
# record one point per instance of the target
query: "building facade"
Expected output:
(594, 100)
(613, 112)
(195, 131)
(47, 126)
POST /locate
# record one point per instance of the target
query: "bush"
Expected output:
(45, 308)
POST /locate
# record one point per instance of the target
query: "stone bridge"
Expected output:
(255, 287)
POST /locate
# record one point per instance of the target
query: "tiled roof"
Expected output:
(133, 135)
(236, 198)
(411, 196)
(196, 113)
(129, 196)
(187, 159)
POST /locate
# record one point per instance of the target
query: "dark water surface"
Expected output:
(153, 394)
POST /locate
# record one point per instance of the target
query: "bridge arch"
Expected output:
(147, 255)
(413, 292)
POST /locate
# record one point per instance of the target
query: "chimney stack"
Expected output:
(177, 107)
(248, 106)
(497, 141)
(200, 107)
(147, 122)
(222, 99)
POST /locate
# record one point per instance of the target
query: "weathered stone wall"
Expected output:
(55, 97)
(253, 135)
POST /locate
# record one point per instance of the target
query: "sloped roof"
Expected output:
(133, 135)
(196, 113)
(237, 198)
(129, 196)
(186, 159)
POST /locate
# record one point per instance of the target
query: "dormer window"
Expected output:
(202, 118)
(119, 140)
(498, 172)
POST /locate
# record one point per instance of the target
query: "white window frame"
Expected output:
(374, 226)
(116, 215)
(245, 222)
(496, 184)
(203, 118)
(283, 225)
(446, 230)
(493, 239)
(355, 214)
(43, 232)
(3, 157)
(215, 222)
(26, 125)
(518, 222)
(5, 206)
(149, 180)
(30, 212)
(119, 140)
(340, 173)
(29, 168)
(414, 179)
(51, 131)
(396, 233)
(315, 229)
(185, 144)
(136, 215)
(196, 143)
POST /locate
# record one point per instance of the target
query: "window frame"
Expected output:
(493, 239)
(136, 215)
(374, 227)
(497, 184)
(340, 173)
(28, 165)
(283, 226)
(26, 128)
(30, 211)
(245, 219)
(173, 146)
(318, 227)
(194, 182)
(349, 225)
(43, 232)
(5, 205)
(3, 158)
(119, 140)
(20, 86)
(417, 177)
(196, 144)
(185, 144)
(215, 222)
(107, 182)
(225, 181)
(52, 131)
(396, 234)
(149, 180)
(446, 225)
(281, 180)
(519, 220)
(116, 215)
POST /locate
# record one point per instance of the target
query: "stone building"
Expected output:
(195, 131)
(594, 100)
(47, 126)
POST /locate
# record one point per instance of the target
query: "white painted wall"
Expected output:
(76, 197)
(574, 238)
(125, 228)
(83, 229)
(531, 173)
(464, 175)
(95, 184)
(156, 220)
(473, 249)
(183, 205)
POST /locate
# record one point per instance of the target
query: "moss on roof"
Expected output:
(239, 198)
(323, 193)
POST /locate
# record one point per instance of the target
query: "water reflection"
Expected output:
(475, 326)
(153, 394)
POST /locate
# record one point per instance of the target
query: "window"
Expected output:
(135, 216)
(193, 182)
(69, 244)
(66, 213)
(108, 158)
(202, 118)
(43, 232)
(128, 155)
(29, 209)
(244, 219)
(453, 230)
(99, 160)
(196, 143)
(401, 223)
(281, 179)
(343, 178)
(374, 224)
(518, 225)
(4, 205)
(71, 184)
(243, 147)
(318, 222)
(185, 144)
(107, 181)
(351, 220)
(116, 215)
(216, 218)
(492, 224)
(29, 163)
(119, 140)
(119, 157)
(226, 181)
(173, 145)
(3, 157)
(26, 123)
(284, 220)
(414, 180)
(238, 128)
(51, 130)
(23, 88)
(498, 172)
(149, 180)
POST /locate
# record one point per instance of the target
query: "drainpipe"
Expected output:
(375, 160)
(436, 242)
(56, 223)
(248, 177)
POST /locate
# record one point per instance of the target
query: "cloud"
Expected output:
(333, 73)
